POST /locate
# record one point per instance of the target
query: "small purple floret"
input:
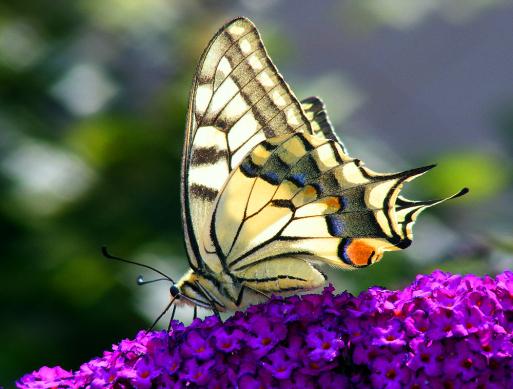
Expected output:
(443, 330)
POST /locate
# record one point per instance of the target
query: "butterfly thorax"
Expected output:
(207, 289)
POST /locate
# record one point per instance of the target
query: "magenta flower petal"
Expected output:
(228, 342)
(197, 346)
(280, 365)
(391, 334)
(324, 344)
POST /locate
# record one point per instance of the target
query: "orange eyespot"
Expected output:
(310, 190)
(359, 252)
(333, 202)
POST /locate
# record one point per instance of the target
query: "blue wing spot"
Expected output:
(249, 168)
(317, 187)
(271, 177)
(343, 203)
(299, 179)
(342, 246)
(335, 225)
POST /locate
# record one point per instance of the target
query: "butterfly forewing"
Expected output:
(238, 100)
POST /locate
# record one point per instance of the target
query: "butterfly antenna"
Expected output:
(142, 281)
(108, 255)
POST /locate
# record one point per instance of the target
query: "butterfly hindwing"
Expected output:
(238, 100)
(321, 126)
(283, 274)
(301, 197)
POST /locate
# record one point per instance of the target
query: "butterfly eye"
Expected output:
(175, 292)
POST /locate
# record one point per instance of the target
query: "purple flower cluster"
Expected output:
(442, 331)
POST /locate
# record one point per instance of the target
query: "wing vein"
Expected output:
(216, 67)
(241, 88)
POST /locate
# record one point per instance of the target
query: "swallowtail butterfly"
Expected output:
(269, 192)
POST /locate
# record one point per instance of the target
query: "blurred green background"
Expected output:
(93, 96)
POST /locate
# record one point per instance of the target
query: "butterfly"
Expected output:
(269, 192)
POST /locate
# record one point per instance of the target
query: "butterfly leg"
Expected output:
(195, 315)
(216, 312)
(172, 318)
(209, 299)
(160, 316)
(241, 294)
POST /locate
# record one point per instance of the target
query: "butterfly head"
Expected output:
(174, 291)
(194, 289)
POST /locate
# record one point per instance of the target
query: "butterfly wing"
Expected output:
(238, 99)
(321, 126)
(300, 197)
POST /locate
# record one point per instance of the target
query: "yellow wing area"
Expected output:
(238, 99)
(299, 197)
(283, 274)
